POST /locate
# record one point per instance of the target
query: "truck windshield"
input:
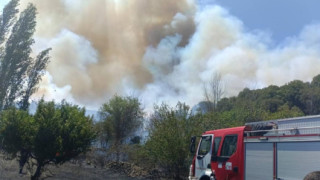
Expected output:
(205, 145)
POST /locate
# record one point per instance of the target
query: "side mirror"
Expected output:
(193, 144)
(199, 157)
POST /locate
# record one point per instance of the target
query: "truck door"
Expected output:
(203, 156)
(227, 164)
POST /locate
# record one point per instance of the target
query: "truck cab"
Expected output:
(219, 155)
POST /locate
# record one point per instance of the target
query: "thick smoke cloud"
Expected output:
(98, 45)
(221, 44)
(161, 51)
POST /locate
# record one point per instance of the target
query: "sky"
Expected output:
(2, 3)
(165, 51)
(282, 19)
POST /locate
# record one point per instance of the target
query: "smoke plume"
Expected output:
(161, 51)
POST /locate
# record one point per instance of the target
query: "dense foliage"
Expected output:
(122, 116)
(295, 98)
(168, 144)
(56, 133)
(19, 71)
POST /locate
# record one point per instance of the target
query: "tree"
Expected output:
(213, 91)
(7, 18)
(56, 133)
(34, 77)
(102, 134)
(17, 131)
(122, 117)
(285, 112)
(169, 136)
(291, 93)
(17, 67)
(310, 98)
(316, 81)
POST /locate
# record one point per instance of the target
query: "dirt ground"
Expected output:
(68, 171)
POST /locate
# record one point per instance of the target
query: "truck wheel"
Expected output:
(205, 178)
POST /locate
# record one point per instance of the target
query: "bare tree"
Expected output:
(213, 91)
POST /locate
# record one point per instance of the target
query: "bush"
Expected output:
(169, 136)
(55, 134)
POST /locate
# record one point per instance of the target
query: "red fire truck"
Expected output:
(285, 149)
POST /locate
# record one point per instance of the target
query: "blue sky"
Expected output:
(281, 18)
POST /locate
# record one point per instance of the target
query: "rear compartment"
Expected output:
(285, 149)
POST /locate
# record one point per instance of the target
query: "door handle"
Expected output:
(235, 169)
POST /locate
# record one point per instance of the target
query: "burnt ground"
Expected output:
(68, 171)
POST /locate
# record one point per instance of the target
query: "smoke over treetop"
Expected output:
(161, 51)
(96, 44)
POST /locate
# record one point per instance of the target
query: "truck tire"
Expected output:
(205, 178)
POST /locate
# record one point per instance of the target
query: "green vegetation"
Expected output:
(20, 73)
(296, 98)
(55, 134)
(122, 116)
(171, 128)
(168, 144)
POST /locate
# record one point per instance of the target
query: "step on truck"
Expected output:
(284, 149)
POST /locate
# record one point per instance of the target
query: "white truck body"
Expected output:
(287, 151)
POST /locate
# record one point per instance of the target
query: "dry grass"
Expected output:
(69, 171)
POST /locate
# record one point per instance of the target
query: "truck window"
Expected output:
(205, 145)
(229, 145)
(216, 145)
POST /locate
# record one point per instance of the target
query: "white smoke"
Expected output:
(164, 53)
(244, 59)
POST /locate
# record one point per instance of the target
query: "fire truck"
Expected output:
(284, 149)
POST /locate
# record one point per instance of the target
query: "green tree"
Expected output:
(291, 93)
(34, 77)
(7, 18)
(56, 133)
(316, 81)
(102, 133)
(17, 131)
(169, 135)
(122, 117)
(310, 98)
(17, 67)
(284, 112)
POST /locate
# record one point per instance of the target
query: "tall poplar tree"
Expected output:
(19, 72)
